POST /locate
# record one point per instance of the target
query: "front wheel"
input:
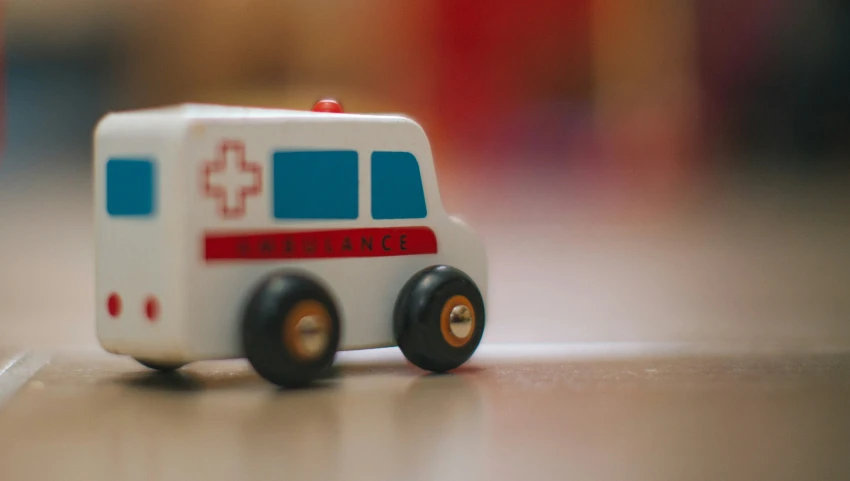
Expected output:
(439, 318)
(290, 330)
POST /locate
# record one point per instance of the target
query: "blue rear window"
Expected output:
(320, 184)
(130, 187)
(397, 191)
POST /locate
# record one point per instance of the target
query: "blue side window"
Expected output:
(130, 187)
(397, 191)
(315, 184)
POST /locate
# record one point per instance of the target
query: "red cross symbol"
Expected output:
(232, 192)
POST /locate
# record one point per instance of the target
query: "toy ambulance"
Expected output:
(280, 236)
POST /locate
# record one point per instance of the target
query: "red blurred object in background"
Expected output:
(497, 63)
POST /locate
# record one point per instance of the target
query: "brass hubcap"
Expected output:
(457, 321)
(311, 335)
(460, 321)
(307, 330)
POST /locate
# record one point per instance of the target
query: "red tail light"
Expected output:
(152, 308)
(113, 305)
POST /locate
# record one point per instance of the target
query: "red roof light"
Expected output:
(328, 105)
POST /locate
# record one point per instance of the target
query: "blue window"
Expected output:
(397, 191)
(315, 184)
(130, 187)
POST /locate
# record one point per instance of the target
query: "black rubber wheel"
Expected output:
(290, 330)
(423, 318)
(161, 367)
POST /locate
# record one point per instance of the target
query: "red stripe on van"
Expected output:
(320, 244)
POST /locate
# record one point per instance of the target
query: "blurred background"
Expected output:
(647, 171)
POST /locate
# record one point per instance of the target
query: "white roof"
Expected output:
(215, 111)
(169, 117)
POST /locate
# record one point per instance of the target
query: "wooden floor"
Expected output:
(511, 415)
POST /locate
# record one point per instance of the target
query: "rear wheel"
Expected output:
(439, 318)
(161, 367)
(290, 330)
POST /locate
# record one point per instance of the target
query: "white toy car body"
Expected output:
(196, 205)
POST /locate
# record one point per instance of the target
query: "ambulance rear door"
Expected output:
(138, 235)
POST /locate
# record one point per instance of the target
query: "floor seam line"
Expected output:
(15, 373)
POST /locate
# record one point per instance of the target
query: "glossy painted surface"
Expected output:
(513, 414)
